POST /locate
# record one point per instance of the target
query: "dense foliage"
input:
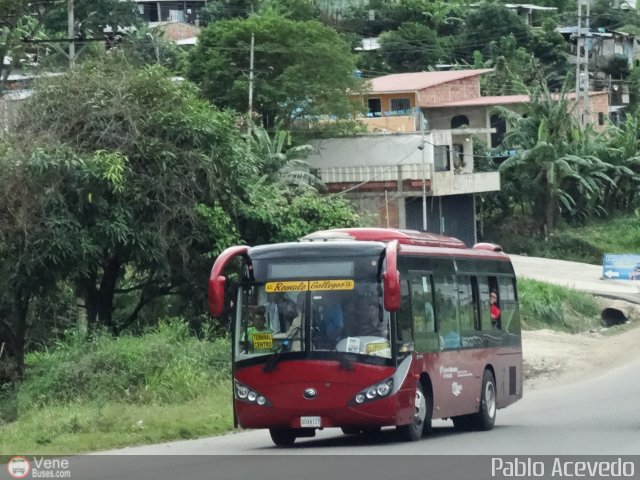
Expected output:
(302, 68)
(124, 184)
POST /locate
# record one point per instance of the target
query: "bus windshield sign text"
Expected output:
(313, 285)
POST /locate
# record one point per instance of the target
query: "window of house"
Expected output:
(600, 118)
(459, 121)
(375, 107)
(441, 158)
(400, 105)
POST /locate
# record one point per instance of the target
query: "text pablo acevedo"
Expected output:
(527, 467)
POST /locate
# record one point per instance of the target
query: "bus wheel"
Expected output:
(414, 430)
(282, 437)
(486, 416)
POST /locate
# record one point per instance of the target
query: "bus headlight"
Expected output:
(249, 395)
(373, 392)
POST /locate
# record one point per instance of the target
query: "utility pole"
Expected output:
(71, 31)
(249, 113)
(424, 173)
(582, 64)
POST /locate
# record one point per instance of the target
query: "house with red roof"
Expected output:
(415, 166)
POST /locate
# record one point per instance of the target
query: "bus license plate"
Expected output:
(306, 422)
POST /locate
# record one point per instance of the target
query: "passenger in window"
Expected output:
(329, 319)
(494, 309)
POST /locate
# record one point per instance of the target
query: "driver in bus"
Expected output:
(259, 326)
(368, 317)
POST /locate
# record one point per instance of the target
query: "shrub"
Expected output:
(164, 365)
(543, 305)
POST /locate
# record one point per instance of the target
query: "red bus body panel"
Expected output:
(336, 389)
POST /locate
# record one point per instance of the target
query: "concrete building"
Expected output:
(421, 130)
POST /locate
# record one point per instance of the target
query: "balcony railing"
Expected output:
(409, 177)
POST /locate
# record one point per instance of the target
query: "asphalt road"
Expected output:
(580, 276)
(599, 417)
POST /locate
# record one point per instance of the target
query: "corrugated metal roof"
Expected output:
(411, 82)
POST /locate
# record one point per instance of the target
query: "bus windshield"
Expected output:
(308, 307)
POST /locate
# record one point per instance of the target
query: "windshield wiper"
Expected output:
(273, 361)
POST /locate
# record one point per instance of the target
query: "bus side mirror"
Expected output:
(391, 279)
(217, 281)
(216, 295)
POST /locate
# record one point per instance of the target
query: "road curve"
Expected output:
(579, 276)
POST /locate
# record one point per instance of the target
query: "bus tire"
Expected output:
(414, 430)
(485, 417)
(282, 437)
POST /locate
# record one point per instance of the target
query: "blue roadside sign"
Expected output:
(625, 266)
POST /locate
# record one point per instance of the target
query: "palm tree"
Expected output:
(550, 165)
(284, 168)
(622, 154)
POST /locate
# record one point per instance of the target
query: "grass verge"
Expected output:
(87, 395)
(543, 305)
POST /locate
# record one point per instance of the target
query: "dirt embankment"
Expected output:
(551, 358)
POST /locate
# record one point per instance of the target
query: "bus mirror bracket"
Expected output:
(391, 279)
(217, 281)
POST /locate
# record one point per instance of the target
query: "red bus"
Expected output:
(368, 327)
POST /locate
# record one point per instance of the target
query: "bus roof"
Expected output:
(407, 237)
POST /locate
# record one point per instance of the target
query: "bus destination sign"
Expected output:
(313, 285)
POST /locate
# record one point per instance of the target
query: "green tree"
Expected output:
(621, 154)
(514, 68)
(281, 167)
(302, 68)
(41, 239)
(411, 48)
(488, 23)
(91, 17)
(18, 20)
(291, 215)
(552, 161)
(150, 236)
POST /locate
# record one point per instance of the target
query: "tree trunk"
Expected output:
(12, 339)
(106, 293)
(549, 215)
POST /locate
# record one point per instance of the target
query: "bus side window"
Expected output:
(487, 285)
(468, 312)
(424, 325)
(446, 296)
(508, 305)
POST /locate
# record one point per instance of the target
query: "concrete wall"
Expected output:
(440, 118)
